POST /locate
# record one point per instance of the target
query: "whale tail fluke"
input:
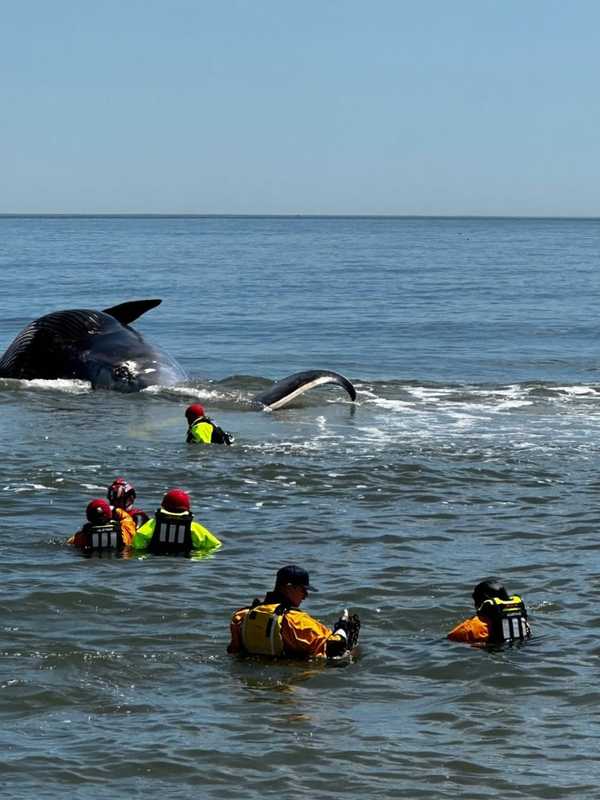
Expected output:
(285, 390)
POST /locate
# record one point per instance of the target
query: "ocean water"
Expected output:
(473, 449)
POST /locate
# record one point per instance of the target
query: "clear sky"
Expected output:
(320, 106)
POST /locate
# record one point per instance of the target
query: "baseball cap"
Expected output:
(294, 576)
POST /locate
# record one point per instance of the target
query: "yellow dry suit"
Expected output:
(507, 618)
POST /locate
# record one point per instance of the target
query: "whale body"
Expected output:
(103, 348)
(95, 346)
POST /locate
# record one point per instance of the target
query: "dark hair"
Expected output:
(488, 588)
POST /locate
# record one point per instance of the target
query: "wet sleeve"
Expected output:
(305, 636)
(235, 630)
(219, 436)
(203, 539)
(143, 535)
(472, 630)
(127, 524)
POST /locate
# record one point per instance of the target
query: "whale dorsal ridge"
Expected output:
(126, 313)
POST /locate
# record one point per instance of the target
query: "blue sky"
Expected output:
(326, 107)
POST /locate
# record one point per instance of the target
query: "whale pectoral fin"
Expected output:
(126, 313)
(287, 389)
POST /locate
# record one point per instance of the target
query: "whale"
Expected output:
(101, 347)
(96, 346)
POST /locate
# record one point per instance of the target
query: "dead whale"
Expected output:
(103, 348)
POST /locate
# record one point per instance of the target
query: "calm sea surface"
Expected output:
(473, 449)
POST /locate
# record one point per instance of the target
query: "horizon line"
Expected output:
(193, 215)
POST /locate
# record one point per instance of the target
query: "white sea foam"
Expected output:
(59, 384)
(188, 392)
(29, 487)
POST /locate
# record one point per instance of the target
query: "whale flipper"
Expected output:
(288, 388)
(126, 313)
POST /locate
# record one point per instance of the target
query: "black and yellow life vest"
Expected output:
(507, 618)
(172, 532)
(261, 630)
(103, 537)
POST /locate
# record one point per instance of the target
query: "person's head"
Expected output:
(176, 501)
(293, 583)
(193, 412)
(98, 511)
(487, 589)
(121, 494)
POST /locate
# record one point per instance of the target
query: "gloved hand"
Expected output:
(342, 626)
(348, 628)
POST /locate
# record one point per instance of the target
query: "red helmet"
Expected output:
(121, 494)
(193, 412)
(176, 501)
(98, 511)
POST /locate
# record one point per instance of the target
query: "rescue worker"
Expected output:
(203, 429)
(121, 495)
(500, 617)
(275, 626)
(103, 530)
(173, 528)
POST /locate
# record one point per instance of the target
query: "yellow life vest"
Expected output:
(508, 618)
(261, 630)
(201, 432)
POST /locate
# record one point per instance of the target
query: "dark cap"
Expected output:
(489, 588)
(294, 576)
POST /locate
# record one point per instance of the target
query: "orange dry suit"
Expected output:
(274, 628)
(496, 621)
(137, 514)
(114, 534)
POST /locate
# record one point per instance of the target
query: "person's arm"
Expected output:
(305, 637)
(235, 630)
(471, 631)
(143, 535)
(219, 436)
(75, 539)
(127, 525)
(203, 539)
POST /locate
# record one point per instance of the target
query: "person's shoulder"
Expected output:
(147, 527)
(239, 615)
(301, 618)
(473, 629)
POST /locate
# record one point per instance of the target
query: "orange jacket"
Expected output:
(126, 524)
(474, 630)
(303, 636)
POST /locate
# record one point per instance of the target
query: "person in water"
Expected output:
(105, 528)
(202, 429)
(276, 626)
(173, 528)
(500, 617)
(121, 495)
